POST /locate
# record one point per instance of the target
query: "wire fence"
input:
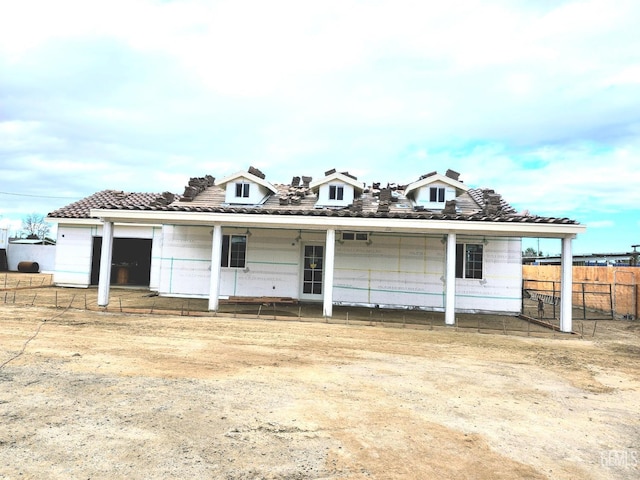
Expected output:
(37, 291)
(590, 301)
(540, 306)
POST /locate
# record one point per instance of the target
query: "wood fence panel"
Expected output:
(596, 282)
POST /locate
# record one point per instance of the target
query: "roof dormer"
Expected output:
(432, 191)
(246, 188)
(336, 189)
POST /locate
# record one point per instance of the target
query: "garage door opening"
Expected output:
(130, 262)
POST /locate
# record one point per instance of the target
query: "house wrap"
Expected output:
(434, 244)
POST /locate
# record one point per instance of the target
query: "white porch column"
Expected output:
(216, 262)
(450, 281)
(106, 254)
(566, 286)
(327, 281)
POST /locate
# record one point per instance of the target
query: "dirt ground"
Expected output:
(104, 394)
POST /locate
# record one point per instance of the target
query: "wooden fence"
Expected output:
(608, 290)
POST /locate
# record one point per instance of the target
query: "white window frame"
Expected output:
(336, 192)
(229, 256)
(437, 192)
(242, 189)
(467, 267)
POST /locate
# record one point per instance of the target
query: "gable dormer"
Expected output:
(432, 191)
(245, 188)
(336, 189)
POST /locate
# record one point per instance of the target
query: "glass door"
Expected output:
(312, 269)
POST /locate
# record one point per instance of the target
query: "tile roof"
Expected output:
(375, 202)
(107, 199)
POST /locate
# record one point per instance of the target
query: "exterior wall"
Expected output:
(423, 195)
(74, 250)
(185, 261)
(500, 289)
(272, 266)
(323, 195)
(406, 271)
(393, 270)
(73, 255)
(45, 255)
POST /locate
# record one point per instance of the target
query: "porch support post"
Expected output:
(327, 281)
(106, 254)
(566, 286)
(216, 262)
(450, 281)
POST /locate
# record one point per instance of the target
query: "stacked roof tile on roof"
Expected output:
(472, 205)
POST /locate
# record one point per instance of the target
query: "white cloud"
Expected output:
(538, 100)
(601, 224)
(577, 178)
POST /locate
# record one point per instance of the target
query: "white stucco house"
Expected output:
(434, 244)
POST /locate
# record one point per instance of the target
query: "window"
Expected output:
(234, 251)
(355, 236)
(436, 194)
(336, 192)
(242, 190)
(468, 260)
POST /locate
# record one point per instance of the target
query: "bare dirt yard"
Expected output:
(104, 394)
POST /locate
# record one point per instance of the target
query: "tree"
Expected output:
(35, 226)
(531, 252)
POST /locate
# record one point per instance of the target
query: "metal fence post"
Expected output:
(611, 301)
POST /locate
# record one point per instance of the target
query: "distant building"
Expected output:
(590, 259)
(32, 241)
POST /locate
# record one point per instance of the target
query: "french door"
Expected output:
(312, 263)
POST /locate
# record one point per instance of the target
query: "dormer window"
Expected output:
(336, 192)
(242, 190)
(245, 188)
(436, 194)
(433, 191)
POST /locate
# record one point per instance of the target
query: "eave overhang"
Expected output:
(323, 222)
(74, 221)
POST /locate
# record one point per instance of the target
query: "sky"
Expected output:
(539, 100)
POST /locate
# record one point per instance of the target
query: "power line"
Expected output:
(36, 196)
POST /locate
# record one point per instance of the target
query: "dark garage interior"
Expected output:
(130, 263)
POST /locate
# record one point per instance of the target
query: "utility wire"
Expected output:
(35, 196)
